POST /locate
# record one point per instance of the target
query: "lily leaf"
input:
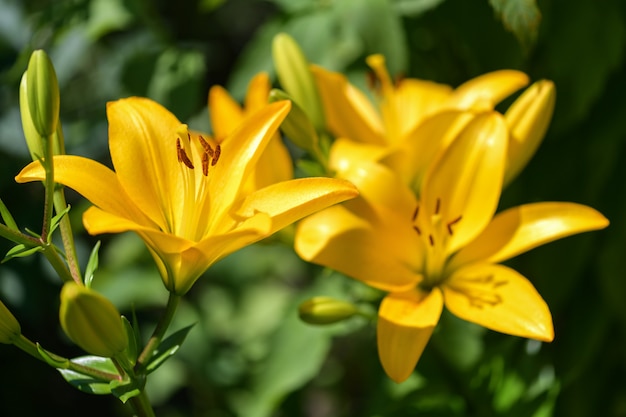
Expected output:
(88, 383)
(125, 390)
(167, 348)
(7, 218)
(52, 359)
(521, 17)
(57, 219)
(92, 265)
(20, 251)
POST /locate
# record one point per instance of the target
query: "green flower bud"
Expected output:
(42, 94)
(33, 138)
(10, 329)
(325, 310)
(297, 125)
(294, 75)
(91, 321)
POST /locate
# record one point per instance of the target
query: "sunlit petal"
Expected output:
(348, 111)
(345, 153)
(258, 92)
(94, 181)
(289, 201)
(525, 227)
(487, 90)
(405, 324)
(142, 141)
(463, 186)
(500, 299)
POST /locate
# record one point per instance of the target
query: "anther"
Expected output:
(216, 155)
(205, 145)
(452, 223)
(178, 150)
(416, 212)
(431, 240)
(437, 206)
(417, 229)
(205, 164)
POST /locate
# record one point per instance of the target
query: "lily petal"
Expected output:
(258, 92)
(224, 112)
(348, 111)
(500, 299)
(485, 91)
(528, 119)
(466, 181)
(289, 201)
(345, 153)
(405, 323)
(94, 181)
(520, 229)
(142, 141)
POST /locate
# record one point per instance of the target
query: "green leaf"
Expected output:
(521, 17)
(20, 251)
(88, 383)
(7, 218)
(133, 343)
(57, 219)
(92, 265)
(53, 360)
(167, 348)
(125, 390)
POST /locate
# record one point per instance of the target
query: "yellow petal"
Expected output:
(94, 181)
(289, 201)
(142, 141)
(463, 186)
(487, 90)
(240, 154)
(224, 112)
(344, 153)
(499, 299)
(405, 323)
(528, 119)
(525, 227)
(258, 92)
(347, 110)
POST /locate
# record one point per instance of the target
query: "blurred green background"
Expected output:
(248, 354)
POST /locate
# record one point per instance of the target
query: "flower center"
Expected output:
(435, 231)
(193, 220)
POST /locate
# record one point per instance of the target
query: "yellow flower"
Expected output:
(414, 119)
(183, 194)
(226, 115)
(443, 248)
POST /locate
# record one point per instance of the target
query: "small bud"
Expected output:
(528, 119)
(42, 94)
(295, 77)
(325, 310)
(10, 329)
(91, 321)
(297, 126)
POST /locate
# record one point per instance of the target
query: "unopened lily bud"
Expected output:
(295, 77)
(297, 126)
(91, 321)
(528, 119)
(325, 310)
(10, 329)
(42, 93)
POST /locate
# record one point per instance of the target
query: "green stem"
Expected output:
(159, 331)
(141, 405)
(67, 236)
(16, 236)
(57, 263)
(49, 187)
(28, 347)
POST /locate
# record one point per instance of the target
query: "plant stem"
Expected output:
(141, 405)
(67, 236)
(159, 331)
(49, 187)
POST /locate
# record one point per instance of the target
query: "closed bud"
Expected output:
(297, 126)
(528, 119)
(295, 77)
(325, 310)
(10, 329)
(91, 321)
(42, 94)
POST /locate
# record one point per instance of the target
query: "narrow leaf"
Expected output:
(92, 265)
(167, 348)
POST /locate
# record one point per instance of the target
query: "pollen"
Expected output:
(208, 155)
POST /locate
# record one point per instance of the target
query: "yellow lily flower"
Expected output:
(226, 115)
(443, 247)
(184, 194)
(412, 118)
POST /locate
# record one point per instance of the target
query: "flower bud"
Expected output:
(325, 310)
(91, 321)
(528, 119)
(10, 329)
(42, 93)
(294, 75)
(296, 126)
